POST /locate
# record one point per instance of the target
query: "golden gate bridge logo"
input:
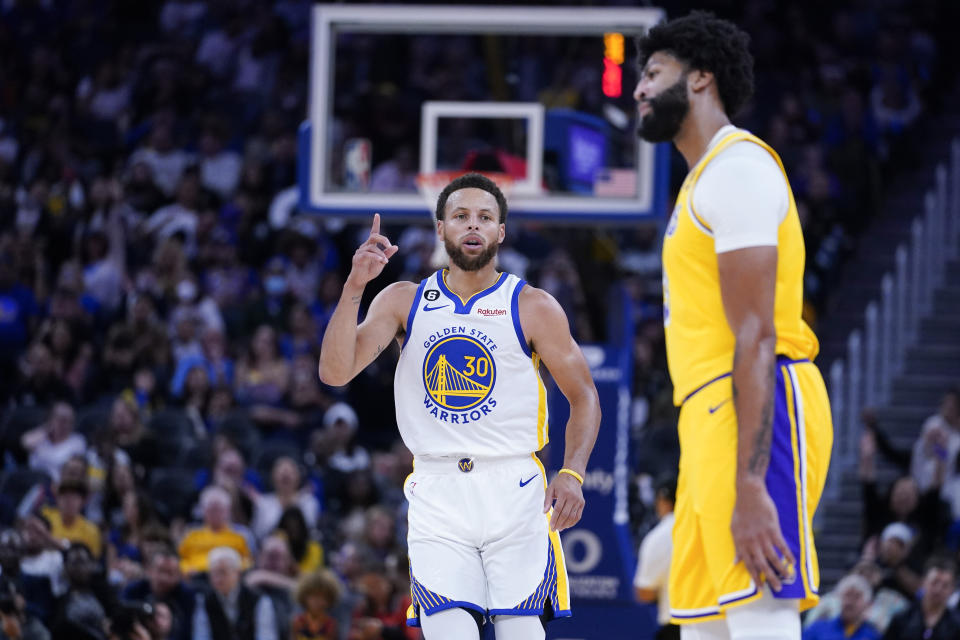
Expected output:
(458, 373)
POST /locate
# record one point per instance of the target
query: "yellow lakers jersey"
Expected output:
(699, 341)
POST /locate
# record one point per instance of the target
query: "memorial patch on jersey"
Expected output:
(459, 373)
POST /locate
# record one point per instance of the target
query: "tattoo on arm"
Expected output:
(356, 299)
(379, 350)
(760, 458)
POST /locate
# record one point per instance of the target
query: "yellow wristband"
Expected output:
(573, 473)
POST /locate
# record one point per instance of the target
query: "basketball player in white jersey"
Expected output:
(483, 523)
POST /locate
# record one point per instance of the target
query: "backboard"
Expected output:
(543, 94)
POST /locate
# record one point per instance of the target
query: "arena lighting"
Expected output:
(612, 59)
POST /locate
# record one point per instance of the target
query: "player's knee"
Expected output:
(768, 618)
(711, 630)
(518, 628)
(452, 623)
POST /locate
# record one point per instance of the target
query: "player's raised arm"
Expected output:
(347, 349)
(748, 285)
(546, 326)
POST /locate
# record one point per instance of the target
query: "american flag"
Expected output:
(615, 183)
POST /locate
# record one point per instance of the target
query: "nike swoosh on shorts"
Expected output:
(714, 409)
(525, 483)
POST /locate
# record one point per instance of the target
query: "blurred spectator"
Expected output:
(271, 307)
(132, 436)
(653, 568)
(20, 311)
(124, 557)
(884, 605)
(164, 584)
(929, 618)
(103, 246)
(54, 442)
(275, 575)
(924, 513)
(340, 422)
(215, 532)
(302, 337)
(316, 593)
(855, 597)
(307, 552)
(194, 308)
(40, 384)
(382, 603)
(263, 376)
(288, 490)
(179, 219)
(41, 576)
(231, 473)
(82, 613)
(937, 447)
(213, 359)
(15, 622)
(67, 521)
(893, 558)
(219, 167)
(231, 610)
(305, 267)
(167, 163)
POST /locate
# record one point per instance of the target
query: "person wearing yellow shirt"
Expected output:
(215, 532)
(67, 521)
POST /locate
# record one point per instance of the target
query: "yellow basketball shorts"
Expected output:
(704, 580)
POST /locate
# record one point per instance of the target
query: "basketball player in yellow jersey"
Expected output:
(755, 426)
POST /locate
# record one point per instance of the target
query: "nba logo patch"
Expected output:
(672, 225)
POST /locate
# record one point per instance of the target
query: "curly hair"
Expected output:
(472, 181)
(321, 581)
(707, 43)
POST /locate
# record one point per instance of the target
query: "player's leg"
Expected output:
(768, 618)
(451, 623)
(692, 588)
(800, 456)
(446, 572)
(518, 628)
(710, 630)
(522, 559)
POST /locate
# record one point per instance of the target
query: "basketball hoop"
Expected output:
(431, 184)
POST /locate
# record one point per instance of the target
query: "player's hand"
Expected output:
(757, 538)
(566, 496)
(370, 258)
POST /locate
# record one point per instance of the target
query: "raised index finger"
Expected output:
(375, 229)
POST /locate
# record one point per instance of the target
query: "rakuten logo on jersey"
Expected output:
(491, 312)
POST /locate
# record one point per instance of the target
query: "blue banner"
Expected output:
(599, 551)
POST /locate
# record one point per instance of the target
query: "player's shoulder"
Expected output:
(747, 150)
(398, 297)
(538, 303)
(399, 292)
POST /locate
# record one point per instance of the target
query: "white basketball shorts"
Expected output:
(478, 539)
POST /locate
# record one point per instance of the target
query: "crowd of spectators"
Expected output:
(171, 465)
(904, 582)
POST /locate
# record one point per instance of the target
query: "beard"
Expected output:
(667, 111)
(469, 263)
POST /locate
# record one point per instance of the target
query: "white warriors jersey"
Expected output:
(467, 382)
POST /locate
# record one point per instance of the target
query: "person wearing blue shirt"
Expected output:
(855, 597)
